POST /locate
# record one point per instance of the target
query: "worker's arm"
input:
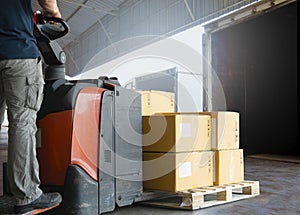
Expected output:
(50, 7)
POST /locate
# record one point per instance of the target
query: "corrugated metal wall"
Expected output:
(138, 18)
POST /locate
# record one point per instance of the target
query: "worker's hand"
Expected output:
(54, 14)
(50, 8)
(57, 14)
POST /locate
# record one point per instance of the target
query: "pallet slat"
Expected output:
(203, 197)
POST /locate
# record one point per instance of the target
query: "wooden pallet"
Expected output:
(203, 197)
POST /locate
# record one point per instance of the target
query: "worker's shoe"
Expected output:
(44, 203)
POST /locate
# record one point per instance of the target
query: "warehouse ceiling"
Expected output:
(82, 14)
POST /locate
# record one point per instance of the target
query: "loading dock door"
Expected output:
(254, 54)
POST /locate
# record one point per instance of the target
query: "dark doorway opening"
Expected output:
(256, 61)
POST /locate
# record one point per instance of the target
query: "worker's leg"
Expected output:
(23, 84)
(2, 101)
(2, 109)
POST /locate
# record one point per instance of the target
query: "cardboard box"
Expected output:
(176, 133)
(177, 171)
(228, 166)
(154, 101)
(225, 130)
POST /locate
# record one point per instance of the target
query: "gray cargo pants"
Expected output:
(21, 84)
(2, 110)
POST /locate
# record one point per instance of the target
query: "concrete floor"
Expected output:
(279, 191)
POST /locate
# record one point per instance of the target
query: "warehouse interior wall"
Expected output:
(156, 58)
(256, 61)
(137, 18)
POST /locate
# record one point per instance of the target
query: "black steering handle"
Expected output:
(46, 31)
(55, 27)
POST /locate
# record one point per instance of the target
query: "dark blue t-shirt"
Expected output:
(16, 30)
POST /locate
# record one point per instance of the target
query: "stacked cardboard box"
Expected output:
(188, 150)
(177, 171)
(229, 166)
(177, 151)
(228, 161)
(154, 101)
(176, 133)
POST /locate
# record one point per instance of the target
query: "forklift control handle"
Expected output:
(52, 27)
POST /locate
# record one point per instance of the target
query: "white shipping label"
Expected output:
(185, 170)
(185, 130)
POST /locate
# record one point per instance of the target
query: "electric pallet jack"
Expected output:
(89, 143)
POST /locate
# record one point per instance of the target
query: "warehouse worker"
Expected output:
(21, 85)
